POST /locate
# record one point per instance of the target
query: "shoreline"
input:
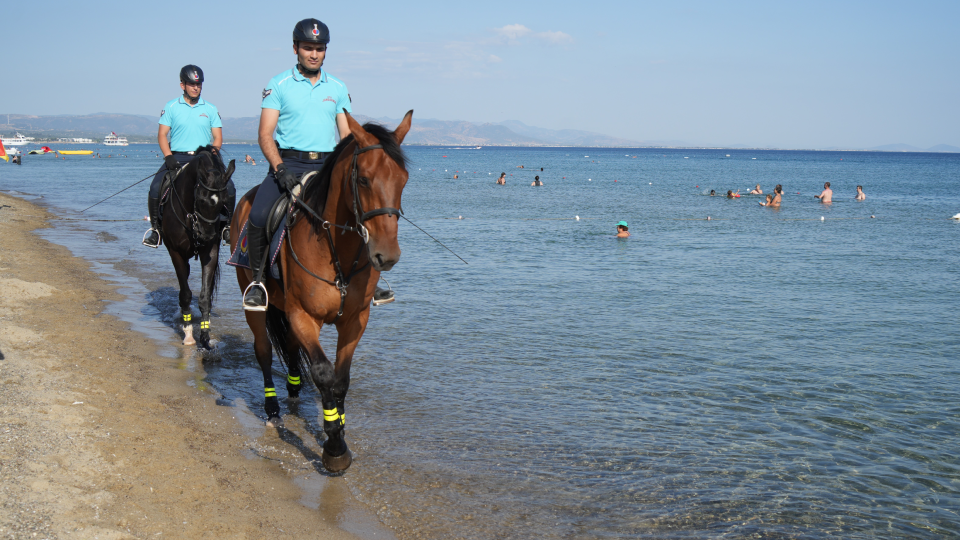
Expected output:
(104, 436)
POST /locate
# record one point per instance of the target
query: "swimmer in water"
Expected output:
(622, 231)
(455, 177)
(503, 179)
(825, 196)
(756, 191)
(731, 194)
(769, 200)
(536, 181)
(860, 194)
(713, 193)
(775, 201)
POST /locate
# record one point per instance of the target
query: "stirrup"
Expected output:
(266, 297)
(225, 235)
(383, 296)
(159, 238)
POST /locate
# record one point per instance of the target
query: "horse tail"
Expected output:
(278, 328)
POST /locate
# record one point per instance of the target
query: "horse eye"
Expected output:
(364, 181)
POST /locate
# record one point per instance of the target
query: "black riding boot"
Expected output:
(255, 297)
(152, 236)
(227, 211)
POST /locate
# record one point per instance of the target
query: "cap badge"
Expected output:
(316, 31)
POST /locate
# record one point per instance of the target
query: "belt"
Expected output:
(312, 156)
(187, 153)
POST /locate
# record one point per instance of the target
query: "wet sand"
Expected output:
(101, 437)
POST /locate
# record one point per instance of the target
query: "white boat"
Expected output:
(19, 140)
(113, 140)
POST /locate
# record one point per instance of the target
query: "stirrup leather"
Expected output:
(266, 297)
(159, 238)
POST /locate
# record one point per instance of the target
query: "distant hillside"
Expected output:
(429, 132)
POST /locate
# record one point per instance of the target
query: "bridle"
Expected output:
(195, 218)
(341, 281)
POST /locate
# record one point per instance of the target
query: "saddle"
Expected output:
(282, 215)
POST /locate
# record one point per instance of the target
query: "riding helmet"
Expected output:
(312, 31)
(191, 74)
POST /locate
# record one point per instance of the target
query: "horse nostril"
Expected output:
(379, 259)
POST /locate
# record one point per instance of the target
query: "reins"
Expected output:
(194, 216)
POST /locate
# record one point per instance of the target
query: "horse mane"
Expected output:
(315, 193)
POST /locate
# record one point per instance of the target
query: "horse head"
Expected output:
(209, 195)
(376, 183)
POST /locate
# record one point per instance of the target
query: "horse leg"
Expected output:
(349, 333)
(257, 321)
(182, 266)
(306, 331)
(209, 260)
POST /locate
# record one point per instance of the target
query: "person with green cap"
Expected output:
(622, 231)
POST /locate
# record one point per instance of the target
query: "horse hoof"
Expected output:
(339, 463)
(275, 422)
(189, 340)
(293, 399)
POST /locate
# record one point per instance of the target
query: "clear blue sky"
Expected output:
(785, 74)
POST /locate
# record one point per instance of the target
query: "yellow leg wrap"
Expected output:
(187, 317)
(270, 392)
(331, 415)
(204, 325)
(293, 380)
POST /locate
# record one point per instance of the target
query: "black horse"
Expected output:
(191, 228)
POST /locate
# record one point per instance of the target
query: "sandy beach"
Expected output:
(101, 437)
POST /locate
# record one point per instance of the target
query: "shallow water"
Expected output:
(761, 373)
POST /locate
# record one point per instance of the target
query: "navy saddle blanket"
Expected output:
(241, 258)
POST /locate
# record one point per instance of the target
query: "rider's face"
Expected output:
(310, 55)
(192, 90)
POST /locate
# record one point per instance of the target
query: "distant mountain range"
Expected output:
(428, 132)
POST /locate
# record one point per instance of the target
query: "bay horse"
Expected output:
(344, 233)
(191, 228)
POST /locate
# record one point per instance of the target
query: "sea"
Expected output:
(729, 370)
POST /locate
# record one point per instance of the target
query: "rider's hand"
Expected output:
(286, 179)
(171, 162)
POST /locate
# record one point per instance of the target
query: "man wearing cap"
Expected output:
(622, 231)
(305, 106)
(191, 123)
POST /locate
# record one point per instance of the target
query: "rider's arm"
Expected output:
(162, 140)
(268, 124)
(217, 137)
(342, 125)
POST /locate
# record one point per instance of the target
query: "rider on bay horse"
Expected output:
(191, 123)
(304, 105)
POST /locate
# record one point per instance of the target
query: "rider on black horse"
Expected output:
(191, 123)
(305, 106)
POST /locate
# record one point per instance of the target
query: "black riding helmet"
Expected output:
(191, 74)
(312, 31)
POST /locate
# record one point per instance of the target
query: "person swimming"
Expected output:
(622, 230)
(860, 194)
(536, 181)
(775, 201)
(503, 179)
(756, 191)
(825, 196)
(713, 193)
(731, 194)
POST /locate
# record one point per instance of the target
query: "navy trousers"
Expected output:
(270, 191)
(183, 158)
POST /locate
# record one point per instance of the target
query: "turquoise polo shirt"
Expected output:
(190, 125)
(308, 112)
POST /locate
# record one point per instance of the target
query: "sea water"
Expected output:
(728, 370)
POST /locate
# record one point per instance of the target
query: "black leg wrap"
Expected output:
(272, 407)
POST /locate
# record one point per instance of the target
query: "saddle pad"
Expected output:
(241, 258)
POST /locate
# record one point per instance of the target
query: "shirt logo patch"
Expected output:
(204, 115)
(161, 113)
(316, 31)
(350, 98)
(330, 99)
(266, 93)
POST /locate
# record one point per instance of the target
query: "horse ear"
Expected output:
(404, 127)
(230, 168)
(363, 138)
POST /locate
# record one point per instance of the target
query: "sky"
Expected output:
(781, 74)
